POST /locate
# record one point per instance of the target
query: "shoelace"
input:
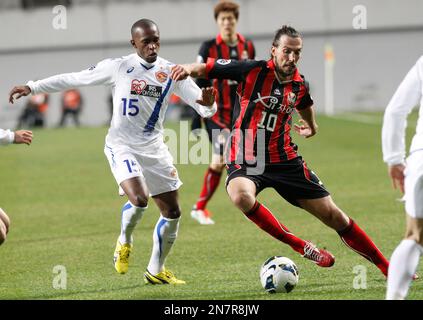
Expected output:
(312, 252)
(124, 254)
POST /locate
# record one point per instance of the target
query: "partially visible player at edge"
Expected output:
(9, 137)
(139, 159)
(269, 91)
(227, 45)
(407, 176)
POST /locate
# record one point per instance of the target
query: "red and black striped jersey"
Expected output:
(226, 88)
(262, 114)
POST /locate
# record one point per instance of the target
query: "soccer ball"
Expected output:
(279, 274)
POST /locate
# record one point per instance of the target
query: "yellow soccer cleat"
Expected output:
(121, 257)
(164, 277)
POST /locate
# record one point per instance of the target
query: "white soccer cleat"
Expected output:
(202, 216)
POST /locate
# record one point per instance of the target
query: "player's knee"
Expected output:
(172, 213)
(217, 167)
(243, 200)
(138, 200)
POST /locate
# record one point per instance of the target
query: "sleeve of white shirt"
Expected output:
(103, 73)
(6, 136)
(404, 99)
(190, 93)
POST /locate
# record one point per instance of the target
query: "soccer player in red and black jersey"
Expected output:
(261, 153)
(227, 45)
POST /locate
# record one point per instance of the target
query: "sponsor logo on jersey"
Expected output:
(270, 102)
(223, 61)
(130, 70)
(277, 92)
(141, 88)
(137, 86)
(91, 68)
(161, 76)
(291, 98)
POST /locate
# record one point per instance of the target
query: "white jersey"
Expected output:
(408, 95)
(6, 136)
(141, 93)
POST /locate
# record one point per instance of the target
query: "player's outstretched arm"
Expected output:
(19, 91)
(23, 136)
(181, 72)
(208, 96)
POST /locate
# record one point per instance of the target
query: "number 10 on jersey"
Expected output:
(130, 108)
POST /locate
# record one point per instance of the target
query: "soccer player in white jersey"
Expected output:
(9, 137)
(407, 175)
(139, 159)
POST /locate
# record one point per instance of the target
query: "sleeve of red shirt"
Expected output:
(304, 99)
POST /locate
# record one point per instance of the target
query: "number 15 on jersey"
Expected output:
(129, 107)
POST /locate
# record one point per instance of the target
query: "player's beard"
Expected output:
(285, 72)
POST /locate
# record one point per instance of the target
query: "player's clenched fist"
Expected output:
(19, 91)
(23, 136)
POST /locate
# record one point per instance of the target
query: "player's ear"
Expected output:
(273, 51)
(133, 43)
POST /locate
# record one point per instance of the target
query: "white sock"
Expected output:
(403, 265)
(164, 236)
(131, 215)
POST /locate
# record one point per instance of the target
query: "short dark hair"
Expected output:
(226, 6)
(143, 23)
(285, 30)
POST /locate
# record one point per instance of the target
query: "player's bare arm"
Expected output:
(195, 70)
(23, 136)
(307, 126)
(396, 172)
(19, 91)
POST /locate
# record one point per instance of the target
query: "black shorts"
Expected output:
(291, 179)
(219, 138)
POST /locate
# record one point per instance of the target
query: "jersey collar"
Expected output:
(146, 65)
(219, 39)
(297, 76)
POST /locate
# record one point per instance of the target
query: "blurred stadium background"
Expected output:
(368, 63)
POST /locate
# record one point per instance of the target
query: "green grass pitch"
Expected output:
(65, 210)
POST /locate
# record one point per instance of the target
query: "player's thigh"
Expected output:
(158, 170)
(136, 190)
(123, 163)
(242, 191)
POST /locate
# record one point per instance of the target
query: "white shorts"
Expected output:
(414, 185)
(155, 165)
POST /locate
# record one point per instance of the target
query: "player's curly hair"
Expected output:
(226, 6)
(285, 30)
